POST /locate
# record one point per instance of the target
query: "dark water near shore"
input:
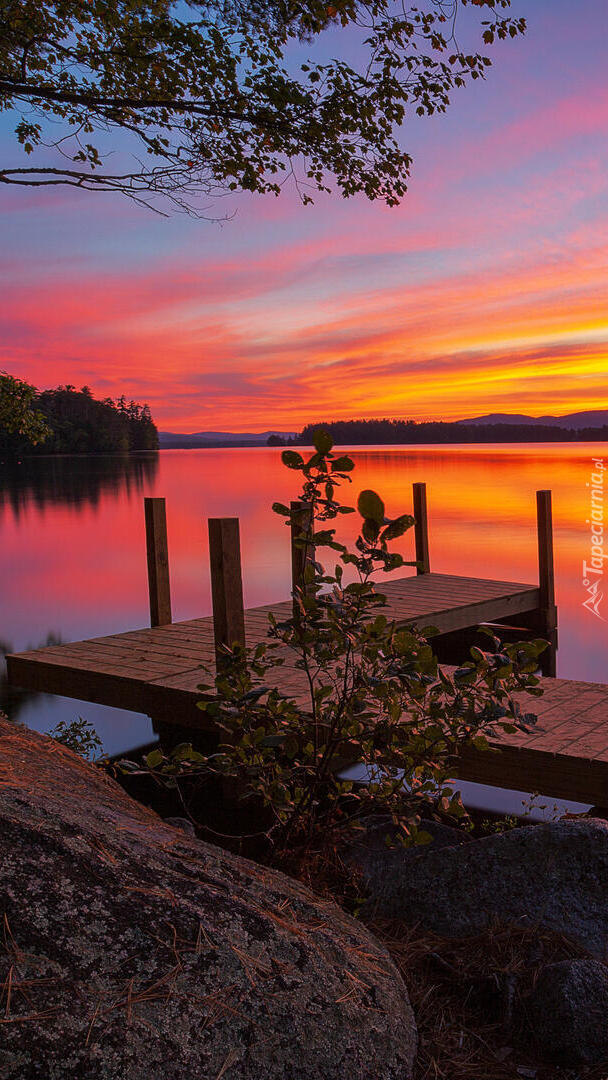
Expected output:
(72, 542)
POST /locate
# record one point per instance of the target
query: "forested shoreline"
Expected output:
(370, 432)
(70, 421)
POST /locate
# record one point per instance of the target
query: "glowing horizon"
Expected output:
(485, 291)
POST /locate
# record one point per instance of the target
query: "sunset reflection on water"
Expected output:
(73, 550)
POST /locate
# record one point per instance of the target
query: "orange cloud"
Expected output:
(201, 347)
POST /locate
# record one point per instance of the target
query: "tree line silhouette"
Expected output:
(78, 423)
(368, 432)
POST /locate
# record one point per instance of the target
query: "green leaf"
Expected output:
(480, 742)
(370, 530)
(322, 441)
(394, 560)
(342, 464)
(292, 459)
(154, 758)
(540, 644)
(371, 506)
(397, 527)
(421, 838)
(186, 752)
(465, 674)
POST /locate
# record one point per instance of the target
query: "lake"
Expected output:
(73, 546)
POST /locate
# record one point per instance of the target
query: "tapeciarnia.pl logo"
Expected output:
(593, 571)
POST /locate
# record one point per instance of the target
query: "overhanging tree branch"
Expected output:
(215, 99)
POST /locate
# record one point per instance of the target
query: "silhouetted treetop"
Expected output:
(201, 97)
(19, 418)
(368, 432)
(74, 422)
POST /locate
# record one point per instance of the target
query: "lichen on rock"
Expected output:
(552, 875)
(132, 951)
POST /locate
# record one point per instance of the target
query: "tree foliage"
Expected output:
(20, 419)
(73, 421)
(412, 432)
(196, 97)
(375, 693)
(79, 736)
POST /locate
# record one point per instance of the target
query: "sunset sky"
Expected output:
(486, 290)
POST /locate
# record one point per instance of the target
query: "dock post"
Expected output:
(546, 581)
(421, 529)
(158, 561)
(226, 585)
(302, 555)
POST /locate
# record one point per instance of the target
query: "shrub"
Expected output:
(78, 735)
(375, 693)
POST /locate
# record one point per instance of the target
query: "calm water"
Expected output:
(73, 549)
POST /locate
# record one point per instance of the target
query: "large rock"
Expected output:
(553, 875)
(567, 1012)
(377, 853)
(131, 951)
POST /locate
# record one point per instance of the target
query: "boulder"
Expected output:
(182, 824)
(553, 875)
(566, 1013)
(133, 951)
(376, 852)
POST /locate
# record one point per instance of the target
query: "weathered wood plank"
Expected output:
(546, 580)
(302, 551)
(421, 529)
(125, 690)
(226, 584)
(546, 573)
(469, 615)
(113, 658)
(158, 561)
(531, 769)
(161, 648)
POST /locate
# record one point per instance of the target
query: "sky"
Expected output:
(486, 290)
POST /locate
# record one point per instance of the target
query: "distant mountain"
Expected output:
(401, 431)
(592, 418)
(170, 440)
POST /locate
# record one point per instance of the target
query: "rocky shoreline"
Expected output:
(135, 951)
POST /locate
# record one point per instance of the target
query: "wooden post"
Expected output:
(546, 580)
(301, 556)
(158, 562)
(226, 584)
(421, 529)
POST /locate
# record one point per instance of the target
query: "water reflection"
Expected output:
(74, 480)
(72, 544)
(14, 700)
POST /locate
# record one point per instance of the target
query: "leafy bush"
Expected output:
(80, 736)
(20, 420)
(372, 691)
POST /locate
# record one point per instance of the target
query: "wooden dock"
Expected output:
(156, 670)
